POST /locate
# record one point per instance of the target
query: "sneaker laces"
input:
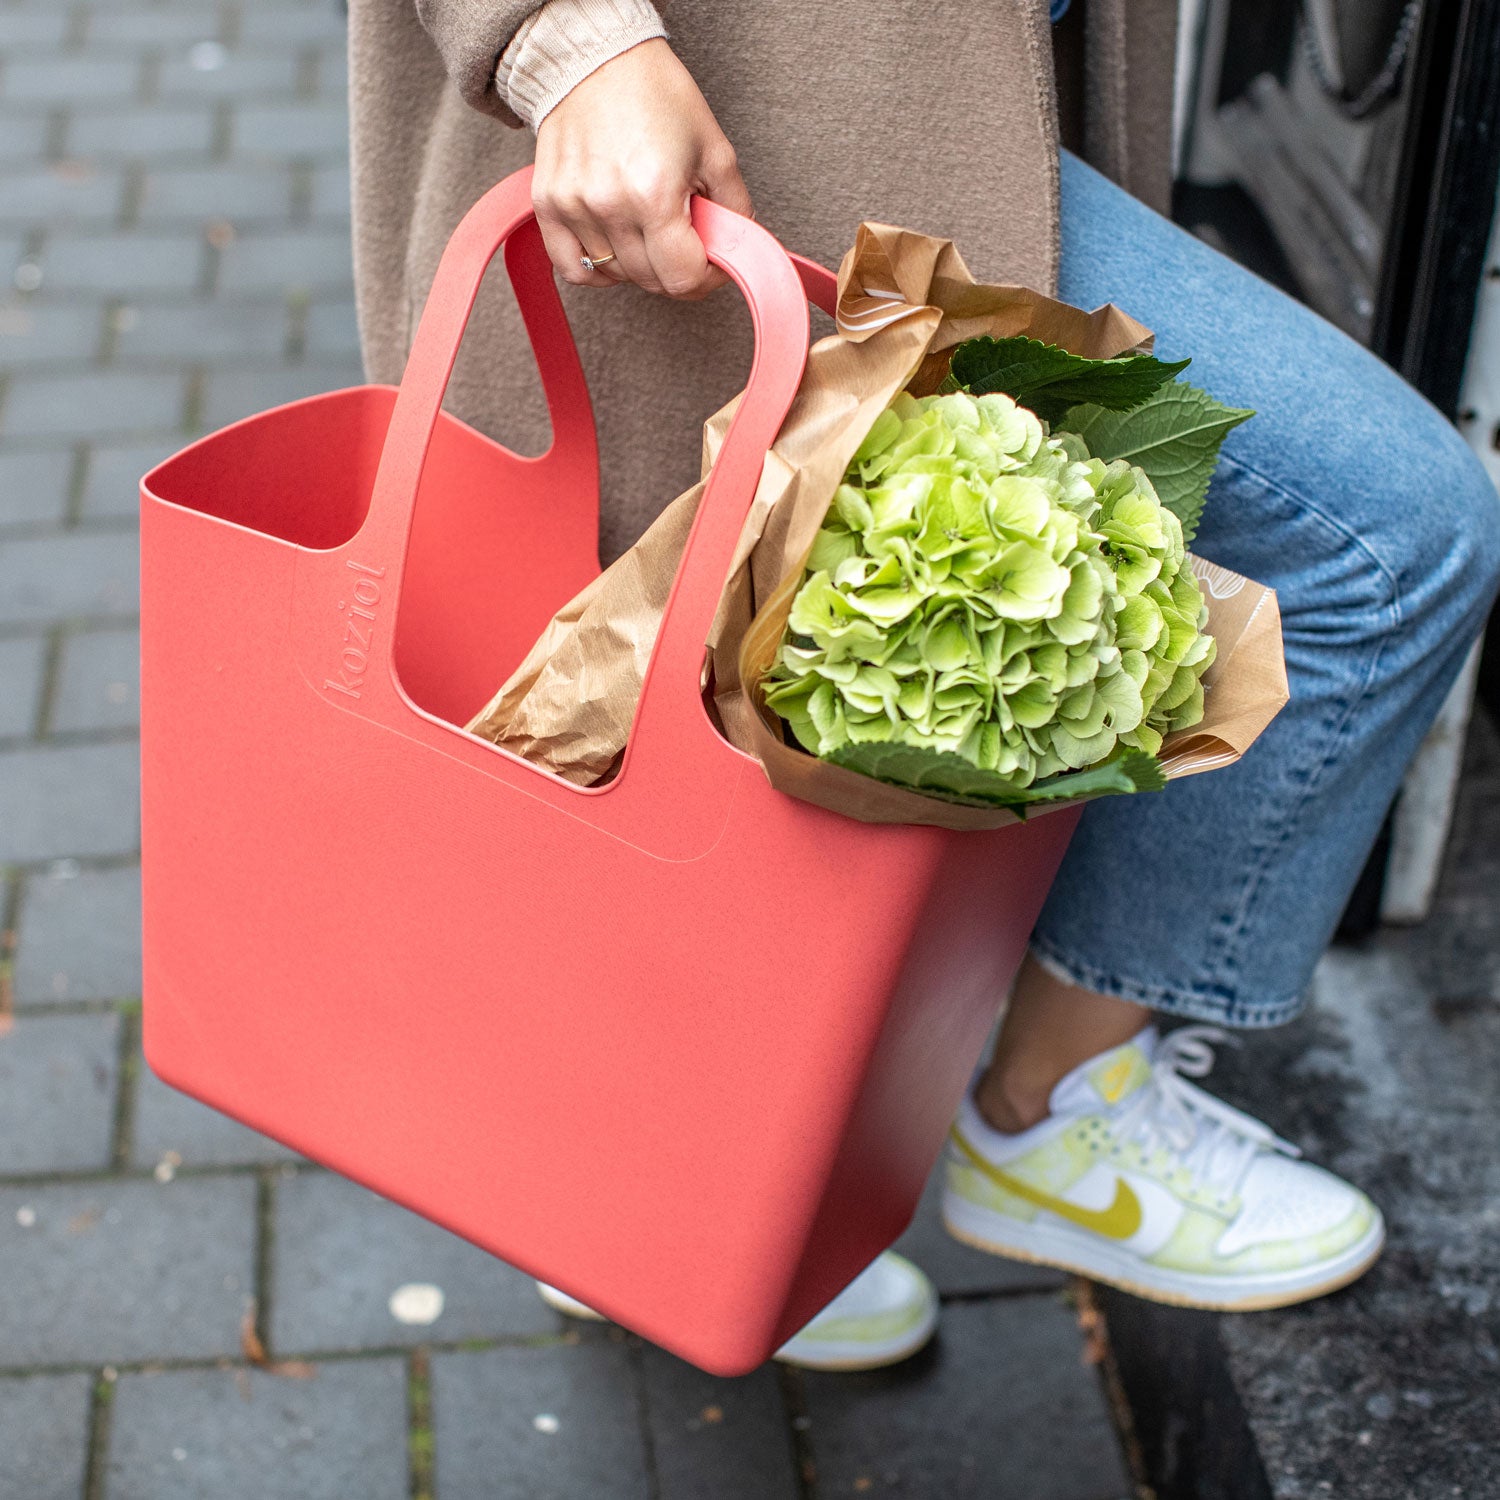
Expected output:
(1216, 1142)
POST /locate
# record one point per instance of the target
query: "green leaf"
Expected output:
(1174, 436)
(1049, 380)
(942, 774)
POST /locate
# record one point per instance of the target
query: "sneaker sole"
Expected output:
(569, 1307)
(1048, 1246)
(852, 1355)
(844, 1355)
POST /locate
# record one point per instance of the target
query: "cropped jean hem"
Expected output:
(1214, 1008)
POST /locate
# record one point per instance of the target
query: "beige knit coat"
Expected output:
(937, 114)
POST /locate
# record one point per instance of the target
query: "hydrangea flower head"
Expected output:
(984, 588)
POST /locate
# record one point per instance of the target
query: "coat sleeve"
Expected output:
(470, 35)
(514, 59)
(1130, 52)
(559, 45)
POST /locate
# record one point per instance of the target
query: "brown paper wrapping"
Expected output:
(904, 300)
(1242, 690)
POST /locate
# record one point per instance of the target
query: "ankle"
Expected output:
(1009, 1104)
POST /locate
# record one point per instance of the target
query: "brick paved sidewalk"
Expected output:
(173, 255)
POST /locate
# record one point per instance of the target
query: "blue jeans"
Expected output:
(1351, 496)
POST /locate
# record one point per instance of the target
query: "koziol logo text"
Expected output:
(359, 630)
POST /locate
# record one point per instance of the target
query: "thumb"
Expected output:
(721, 181)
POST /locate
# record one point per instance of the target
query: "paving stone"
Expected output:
(58, 1076)
(32, 28)
(148, 130)
(33, 333)
(64, 193)
(65, 78)
(91, 404)
(294, 129)
(23, 138)
(74, 800)
(99, 686)
(112, 476)
(202, 331)
(958, 1270)
(241, 195)
(169, 1123)
(332, 329)
(1389, 1387)
(123, 263)
(714, 1439)
(318, 22)
(232, 394)
(34, 486)
(333, 71)
(1001, 1404)
(154, 26)
(22, 661)
(241, 75)
(330, 193)
(308, 260)
(220, 1434)
(80, 936)
(48, 578)
(44, 1434)
(553, 1423)
(341, 1252)
(120, 1270)
(126, 6)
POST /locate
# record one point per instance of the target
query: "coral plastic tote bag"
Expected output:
(680, 1044)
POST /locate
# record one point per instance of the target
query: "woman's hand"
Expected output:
(617, 161)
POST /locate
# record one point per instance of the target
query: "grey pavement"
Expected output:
(188, 1309)
(1392, 1078)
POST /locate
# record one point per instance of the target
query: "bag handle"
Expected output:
(670, 718)
(502, 217)
(819, 285)
(671, 706)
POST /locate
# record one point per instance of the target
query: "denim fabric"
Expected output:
(1380, 531)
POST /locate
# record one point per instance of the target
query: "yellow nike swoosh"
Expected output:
(1117, 1222)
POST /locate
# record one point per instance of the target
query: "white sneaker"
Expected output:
(1140, 1179)
(886, 1314)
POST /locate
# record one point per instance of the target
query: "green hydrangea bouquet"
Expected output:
(999, 607)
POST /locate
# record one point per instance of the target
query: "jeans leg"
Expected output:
(1351, 496)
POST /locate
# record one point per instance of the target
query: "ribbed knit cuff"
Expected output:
(558, 46)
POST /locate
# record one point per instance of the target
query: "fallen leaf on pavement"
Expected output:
(255, 1351)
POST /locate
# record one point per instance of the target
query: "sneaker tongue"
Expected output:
(1108, 1079)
